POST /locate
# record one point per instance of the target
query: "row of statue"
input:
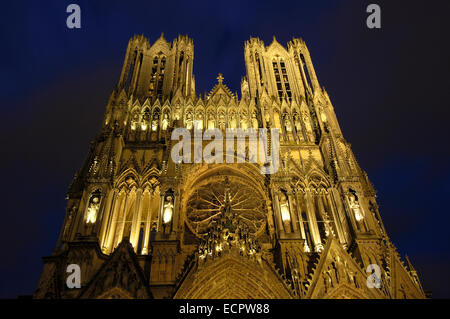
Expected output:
(212, 121)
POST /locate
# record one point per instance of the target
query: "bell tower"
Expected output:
(157, 71)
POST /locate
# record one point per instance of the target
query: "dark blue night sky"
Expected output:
(389, 88)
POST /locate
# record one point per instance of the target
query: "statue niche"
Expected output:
(155, 120)
(198, 125)
(165, 122)
(285, 212)
(189, 120)
(92, 211)
(211, 121)
(243, 120)
(167, 213)
(145, 119)
(287, 126)
(298, 126)
(356, 210)
(254, 120)
(308, 127)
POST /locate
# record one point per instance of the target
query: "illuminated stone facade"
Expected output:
(141, 226)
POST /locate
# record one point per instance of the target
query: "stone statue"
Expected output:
(199, 122)
(165, 122)
(288, 127)
(354, 205)
(146, 116)
(189, 121)
(177, 112)
(168, 210)
(298, 126)
(254, 121)
(155, 122)
(233, 121)
(323, 116)
(134, 120)
(145, 120)
(94, 206)
(285, 212)
(222, 121)
(287, 124)
(308, 126)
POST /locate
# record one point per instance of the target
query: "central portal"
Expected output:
(233, 277)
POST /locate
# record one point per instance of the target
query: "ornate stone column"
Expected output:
(79, 218)
(270, 220)
(64, 226)
(310, 70)
(176, 212)
(299, 216)
(147, 223)
(112, 230)
(136, 222)
(329, 209)
(107, 217)
(369, 218)
(160, 211)
(279, 222)
(341, 212)
(311, 212)
(125, 207)
(294, 220)
(337, 221)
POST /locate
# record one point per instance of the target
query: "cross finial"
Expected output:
(220, 78)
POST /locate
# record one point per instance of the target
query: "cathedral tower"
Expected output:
(141, 225)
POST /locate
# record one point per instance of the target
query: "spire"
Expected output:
(274, 39)
(220, 78)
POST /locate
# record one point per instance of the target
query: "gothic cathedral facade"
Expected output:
(140, 225)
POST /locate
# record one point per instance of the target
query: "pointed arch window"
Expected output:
(308, 239)
(301, 64)
(276, 71)
(93, 207)
(131, 70)
(181, 58)
(281, 79)
(258, 62)
(178, 77)
(152, 86)
(138, 70)
(157, 75)
(159, 87)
